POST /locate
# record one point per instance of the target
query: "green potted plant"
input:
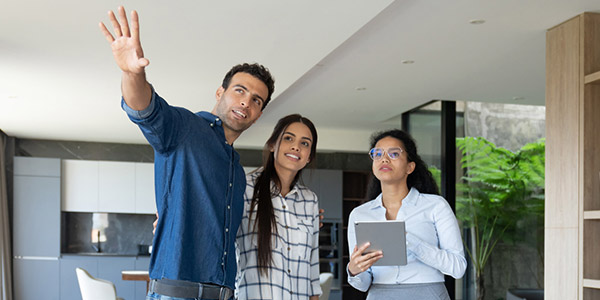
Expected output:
(500, 193)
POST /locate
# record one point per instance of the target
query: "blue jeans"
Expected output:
(155, 296)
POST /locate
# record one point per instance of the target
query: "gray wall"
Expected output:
(144, 153)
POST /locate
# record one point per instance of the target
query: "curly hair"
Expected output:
(421, 178)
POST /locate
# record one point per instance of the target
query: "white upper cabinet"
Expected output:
(108, 186)
(116, 187)
(80, 185)
(144, 188)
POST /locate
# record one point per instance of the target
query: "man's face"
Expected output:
(239, 106)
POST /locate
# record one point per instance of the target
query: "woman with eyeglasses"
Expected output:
(403, 189)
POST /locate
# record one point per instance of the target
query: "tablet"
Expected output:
(387, 236)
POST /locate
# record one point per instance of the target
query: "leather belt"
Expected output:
(188, 289)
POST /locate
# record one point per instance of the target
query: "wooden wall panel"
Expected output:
(562, 125)
(561, 270)
(591, 38)
(572, 253)
(591, 147)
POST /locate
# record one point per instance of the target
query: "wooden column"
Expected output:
(572, 216)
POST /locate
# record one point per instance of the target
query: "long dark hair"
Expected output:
(265, 223)
(421, 178)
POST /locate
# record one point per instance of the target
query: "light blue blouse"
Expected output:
(434, 245)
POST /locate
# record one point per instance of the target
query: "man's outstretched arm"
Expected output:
(129, 56)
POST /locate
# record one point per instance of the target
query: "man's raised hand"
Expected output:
(126, 46)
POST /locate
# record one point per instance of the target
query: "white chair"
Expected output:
(95, 289)
(325, 279)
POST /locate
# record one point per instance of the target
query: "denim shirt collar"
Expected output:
(212, 119)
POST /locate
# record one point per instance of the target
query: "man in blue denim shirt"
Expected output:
(198, 178)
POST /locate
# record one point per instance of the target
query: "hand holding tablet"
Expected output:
(389, 237)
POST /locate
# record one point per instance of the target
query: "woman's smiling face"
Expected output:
(294, 147)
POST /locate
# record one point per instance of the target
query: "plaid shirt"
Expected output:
(294, 271)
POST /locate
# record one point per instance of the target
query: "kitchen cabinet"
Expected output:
(144, 188)
(109, 268)
(105, 186)
(116, 187)
(36, 227)
(142, 263)
(36, 216)
(102, 267)
(80, 185)
(35, 166)
(36, 279)
(69, 286)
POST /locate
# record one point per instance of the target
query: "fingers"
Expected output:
(135, 25)
(321, 217)
(367, 261)
(155, 223)
(115, 24)
(360, 262)
(106, 33)
(124, 23)
(363, 248)
(143, 62)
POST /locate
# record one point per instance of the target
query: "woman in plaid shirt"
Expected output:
(277, 241)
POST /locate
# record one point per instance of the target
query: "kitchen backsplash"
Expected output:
(108, 233)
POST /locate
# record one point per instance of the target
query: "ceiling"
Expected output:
(338, 62)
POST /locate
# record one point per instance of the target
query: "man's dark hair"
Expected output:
(256, 70)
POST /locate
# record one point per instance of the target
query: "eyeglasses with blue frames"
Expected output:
(392, 153)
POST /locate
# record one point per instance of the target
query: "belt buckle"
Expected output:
(224, 293)
(200, 290)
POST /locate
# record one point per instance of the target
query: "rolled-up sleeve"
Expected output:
(139, 114)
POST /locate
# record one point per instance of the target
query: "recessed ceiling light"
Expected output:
(13, 97)
(518, 98)
(477, 21)
(408, 62)
(361, 88)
